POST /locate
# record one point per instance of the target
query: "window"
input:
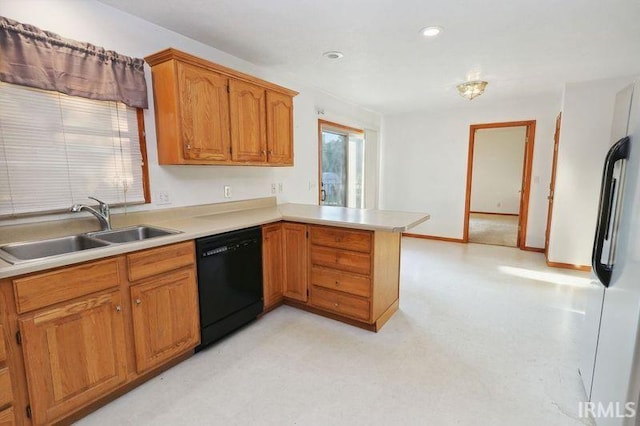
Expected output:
(341, 165)
(56, 150)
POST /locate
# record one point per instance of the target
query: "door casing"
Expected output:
(552, 184)
(526, 176)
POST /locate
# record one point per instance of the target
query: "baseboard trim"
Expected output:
(433, 237)
(535, 249)
(584, 268)
(500, 214)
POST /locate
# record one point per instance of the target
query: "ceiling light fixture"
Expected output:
(333, 54)
(472, 89)
(431, 31)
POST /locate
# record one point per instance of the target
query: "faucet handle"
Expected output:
(104, 207)
(100, 202)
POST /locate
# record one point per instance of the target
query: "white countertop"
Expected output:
(196, 222)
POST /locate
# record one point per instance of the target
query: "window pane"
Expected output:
(58, 150)
(334, 168)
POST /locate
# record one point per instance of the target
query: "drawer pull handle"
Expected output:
(138, 301)
(337, 283)
(118, 308)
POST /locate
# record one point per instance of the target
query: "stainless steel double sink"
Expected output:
(35, 250)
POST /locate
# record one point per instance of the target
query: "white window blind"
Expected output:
(56, 150)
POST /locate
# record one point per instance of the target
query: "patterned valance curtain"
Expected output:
(32, 57)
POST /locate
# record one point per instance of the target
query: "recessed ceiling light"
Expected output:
(431, 31)
(333, 54)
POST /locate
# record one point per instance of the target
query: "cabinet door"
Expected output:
(73, 354)
(248, 122)
(165, 317)
(279, 128)
(204, 113)
(295, 261)
(272, 262)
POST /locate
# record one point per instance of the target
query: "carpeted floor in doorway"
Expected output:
(495, 229)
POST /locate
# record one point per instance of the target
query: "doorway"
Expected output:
(341, 165)
(498, 183)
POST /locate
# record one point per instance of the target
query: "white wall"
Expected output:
(102, 25)
(498, 156)
(585, 133)
(424, 161)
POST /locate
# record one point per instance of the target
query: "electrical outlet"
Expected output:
(162, 198)
(280, 186)
(273, 188)
(227, 191)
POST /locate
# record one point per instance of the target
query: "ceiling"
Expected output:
(522, 48)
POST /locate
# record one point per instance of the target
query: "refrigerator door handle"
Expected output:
(619, 151)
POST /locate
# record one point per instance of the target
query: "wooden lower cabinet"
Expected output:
(272, 266)
(347, 274)
(102, 326)
(354, 274)
(73, 354)
(285, 263)
(163, 322)
(295, 261)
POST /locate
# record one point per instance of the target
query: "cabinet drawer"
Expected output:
(6, 394)
(341, 259)
(341, 238)
(342, 281)
(340, 303)
(143, 264)
(3, 352)
(38, 291)
(7, 417)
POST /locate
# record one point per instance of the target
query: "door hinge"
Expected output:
(18, 338)
(307, 234)
(307, 292)
(230, 150)
(228, 89)
(28, 411)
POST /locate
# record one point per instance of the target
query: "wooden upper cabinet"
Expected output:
(165, 317)
(73, 354)
(204, 113)
(210, 114)
(279, 128)
(248, 122)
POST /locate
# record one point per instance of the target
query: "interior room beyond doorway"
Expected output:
(497, 181)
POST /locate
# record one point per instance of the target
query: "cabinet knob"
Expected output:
(263, 152)
(336, 304)
(118, 308)
(337, 283)
(138, 301)
(188, 146)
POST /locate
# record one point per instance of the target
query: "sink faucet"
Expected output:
(102, 215)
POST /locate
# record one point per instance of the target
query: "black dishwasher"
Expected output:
(229, 282)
